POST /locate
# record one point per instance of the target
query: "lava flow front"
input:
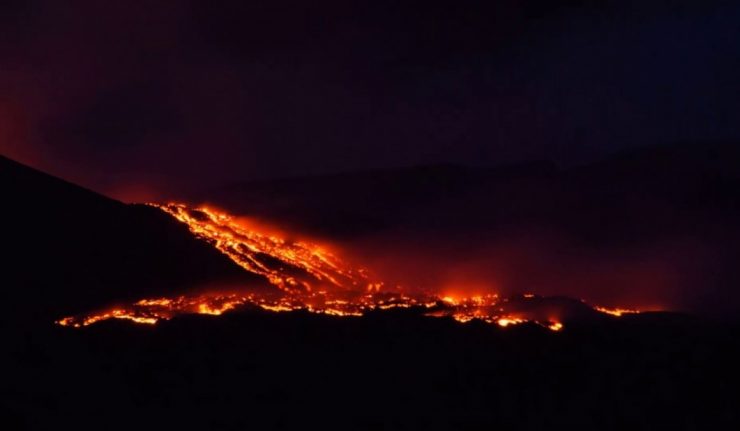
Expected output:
(308, 277)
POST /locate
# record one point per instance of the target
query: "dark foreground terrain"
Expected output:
(256, 370)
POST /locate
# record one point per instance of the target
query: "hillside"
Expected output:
(68, 249)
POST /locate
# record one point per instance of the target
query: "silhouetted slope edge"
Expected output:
(702, 176)
(68, 249)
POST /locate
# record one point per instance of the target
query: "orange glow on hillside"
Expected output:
(307, 277)
(618, 312)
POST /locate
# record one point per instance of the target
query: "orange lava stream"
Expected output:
(249, 249)
(618, 312)
(308, 277)
(151, 311)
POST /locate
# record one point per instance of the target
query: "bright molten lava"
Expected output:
(308, 277)
(254, 251)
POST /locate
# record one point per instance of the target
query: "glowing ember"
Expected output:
(555, 326)
(615, 311)
(308, 277)
(506, 321)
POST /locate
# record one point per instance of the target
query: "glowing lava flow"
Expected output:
(252, 250)
(309, 278)
(618, 312)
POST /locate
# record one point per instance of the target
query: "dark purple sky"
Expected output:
(133, 97)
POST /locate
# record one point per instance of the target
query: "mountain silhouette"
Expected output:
(690, 180)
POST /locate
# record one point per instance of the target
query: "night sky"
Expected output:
(143, 98)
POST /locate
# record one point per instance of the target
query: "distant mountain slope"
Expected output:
(357, 203)
(68, 249)
(696, 177)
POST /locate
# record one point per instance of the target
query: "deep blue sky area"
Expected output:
(152, 97)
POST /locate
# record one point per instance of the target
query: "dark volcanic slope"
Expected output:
(634, 191)
(358, 203)
(67, 249)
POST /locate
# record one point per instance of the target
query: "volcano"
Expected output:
(312, 278)
(113, 253)
(177, 315)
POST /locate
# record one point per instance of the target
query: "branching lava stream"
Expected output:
(306, 276)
